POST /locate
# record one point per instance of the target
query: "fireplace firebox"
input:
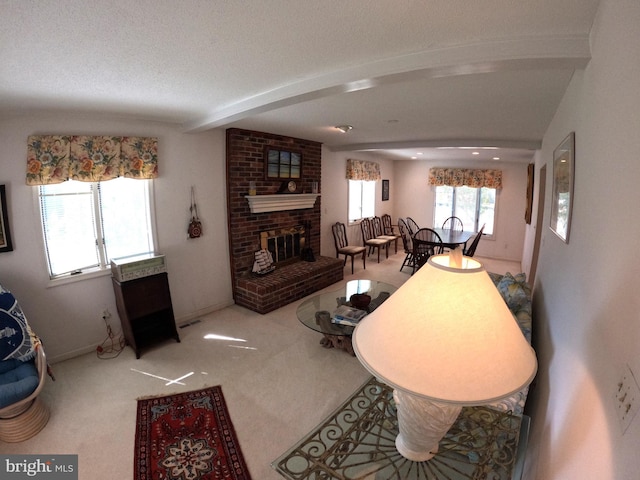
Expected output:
(285, 244)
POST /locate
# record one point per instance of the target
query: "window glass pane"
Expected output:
(362, 200)
(466, 206)
(368, 199)
(487, 210)
(355, 200)
(444, 205)
(69, 226)
(127, 230)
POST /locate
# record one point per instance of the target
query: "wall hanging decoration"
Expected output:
(195, 226)
(385, 190)
(282, 164)
(5, 232)
(562, 193)
(529, 204)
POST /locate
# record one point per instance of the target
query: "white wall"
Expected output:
(67, 317)
(586, 301)
(415, 199)
(335, 191)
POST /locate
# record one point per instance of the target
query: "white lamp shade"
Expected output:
(447, 335)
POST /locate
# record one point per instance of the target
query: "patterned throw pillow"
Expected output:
(515, 291)
(16, 338)
(517, 294)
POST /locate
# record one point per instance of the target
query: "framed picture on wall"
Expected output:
(562, 193)
(282, 164)
(5, 232)
(385, 190)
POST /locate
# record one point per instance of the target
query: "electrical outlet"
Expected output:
(627, 398)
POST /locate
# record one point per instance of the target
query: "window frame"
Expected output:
(104, 268)
(477, 225)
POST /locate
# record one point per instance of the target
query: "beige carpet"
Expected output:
(278, 382)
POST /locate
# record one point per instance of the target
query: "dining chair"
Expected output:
(370, 240)
(343, 248)
(453, 223)
(470, 252)
(426, 242)
(379, 231)
(407, 243)
(388, 229)
(413, 226)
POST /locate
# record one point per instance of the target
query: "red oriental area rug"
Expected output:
(187, 436)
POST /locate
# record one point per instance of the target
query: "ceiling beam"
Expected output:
(555, 52)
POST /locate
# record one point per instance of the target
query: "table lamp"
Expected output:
(445, 339)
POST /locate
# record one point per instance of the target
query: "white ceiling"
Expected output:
(409, 75)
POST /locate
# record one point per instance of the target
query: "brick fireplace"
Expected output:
(245, 163)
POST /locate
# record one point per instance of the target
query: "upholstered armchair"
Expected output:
(23, 369)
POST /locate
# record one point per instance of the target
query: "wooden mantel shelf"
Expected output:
(281, 201)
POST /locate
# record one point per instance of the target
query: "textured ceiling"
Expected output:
(408, 75)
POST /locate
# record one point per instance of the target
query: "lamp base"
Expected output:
(422, 424)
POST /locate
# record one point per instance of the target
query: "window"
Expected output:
(85, 225)
(474, 206)
(362, 199)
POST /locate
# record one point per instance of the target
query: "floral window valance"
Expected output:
(458, 177)
(57, 158)
(361, 170)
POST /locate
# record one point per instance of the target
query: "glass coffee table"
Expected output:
(315, 312)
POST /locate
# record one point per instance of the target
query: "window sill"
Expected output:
(67, 279)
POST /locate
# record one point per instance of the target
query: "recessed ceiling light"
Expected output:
(496, 158)
(475, 153)
(344, 128)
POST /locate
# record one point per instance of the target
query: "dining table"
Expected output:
(452, 238)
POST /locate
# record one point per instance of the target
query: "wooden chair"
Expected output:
(389, 230)
(407, 243)
(413, 226)
(471, 251)
(426, 242)
(453, 223)
(343, 248)
(379, 232)
(370, 241)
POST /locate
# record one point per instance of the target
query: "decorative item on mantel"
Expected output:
(263, 263)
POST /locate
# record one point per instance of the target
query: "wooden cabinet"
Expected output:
(145, 310)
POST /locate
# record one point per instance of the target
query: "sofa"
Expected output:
(516, 293)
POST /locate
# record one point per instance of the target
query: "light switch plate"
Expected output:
(627, 398)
